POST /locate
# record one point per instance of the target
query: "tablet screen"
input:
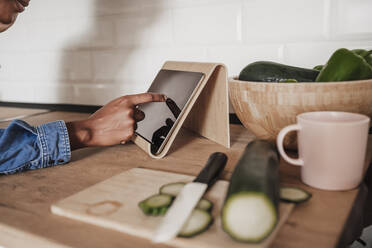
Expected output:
(160, 117)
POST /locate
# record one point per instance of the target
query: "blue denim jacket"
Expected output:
(24, 147)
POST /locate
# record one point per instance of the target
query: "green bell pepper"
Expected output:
(345, 65)
(360, 52)
(367, 55)
(318, 67)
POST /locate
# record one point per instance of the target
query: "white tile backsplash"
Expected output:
(144, 28)
(91, 51)
(237, 57)
(11, 92)
(211, 24)
(353, 17)
(283, 21)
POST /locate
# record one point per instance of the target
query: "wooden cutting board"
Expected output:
(113, 204)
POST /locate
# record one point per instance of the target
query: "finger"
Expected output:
(138, 115)
(135, 126)
(146, 97)
(172, 105)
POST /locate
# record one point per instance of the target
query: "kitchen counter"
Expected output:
(7, 113)
(25, 198)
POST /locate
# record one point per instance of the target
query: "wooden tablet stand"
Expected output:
(210, 115)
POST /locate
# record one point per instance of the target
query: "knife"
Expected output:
(188, 198)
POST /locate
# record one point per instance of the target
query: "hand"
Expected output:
(112, 124)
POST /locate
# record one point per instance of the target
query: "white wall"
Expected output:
(91, 51)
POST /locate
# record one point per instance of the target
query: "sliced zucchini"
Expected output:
(172, 189)
(156, 204)
(198, 222)
(205, 204)
(251, 209)
(294, 194)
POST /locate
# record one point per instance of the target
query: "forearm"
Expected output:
(24, 147)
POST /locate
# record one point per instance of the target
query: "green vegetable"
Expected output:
(288, 81)
(368, 58)
(294, 194)
(250, 212)
(318, 67)
(198, 222)
(366, 55)
(172, 189)
(345, 65)
(265, 71)
(156, 204)
(205, 204)
(360, 52)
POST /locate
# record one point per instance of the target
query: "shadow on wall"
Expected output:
(99, 64)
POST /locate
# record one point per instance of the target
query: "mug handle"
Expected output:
(279, 144)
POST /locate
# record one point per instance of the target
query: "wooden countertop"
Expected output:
(10, 112)
(25, 198)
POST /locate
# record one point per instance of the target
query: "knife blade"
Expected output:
(188, 198)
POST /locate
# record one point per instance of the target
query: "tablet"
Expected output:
(161, 117)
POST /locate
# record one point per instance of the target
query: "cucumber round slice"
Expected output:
(156, 204)
(205, 204)
(294, 194)
(172, 189)
(249, 216)
(198, 222)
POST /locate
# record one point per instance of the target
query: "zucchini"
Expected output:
(205, 204)
(172, 189)
(198, 222)
(294, 194)
(156, 204)
(250, 212)
(266, 71)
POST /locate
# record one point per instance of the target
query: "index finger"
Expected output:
(146, 97)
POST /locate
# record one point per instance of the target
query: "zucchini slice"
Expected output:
(198, 222)
(251, 209)
(294, 194)
(172, 189)
(156, 204)
(205, 204)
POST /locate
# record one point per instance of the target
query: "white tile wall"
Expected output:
(91, 51)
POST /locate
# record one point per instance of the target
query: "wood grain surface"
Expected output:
(113, 204)
(25, 198)
(10, 112)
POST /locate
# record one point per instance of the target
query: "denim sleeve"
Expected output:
(24, 147)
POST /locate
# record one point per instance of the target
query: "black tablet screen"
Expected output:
(178, 86)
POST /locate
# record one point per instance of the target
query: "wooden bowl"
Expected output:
(266, 108)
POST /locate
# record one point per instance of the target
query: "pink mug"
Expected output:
(331, 148)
